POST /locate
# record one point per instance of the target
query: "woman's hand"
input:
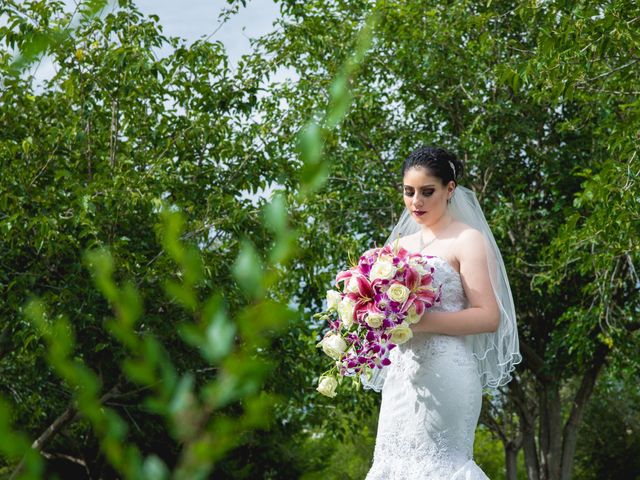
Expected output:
(424, 323)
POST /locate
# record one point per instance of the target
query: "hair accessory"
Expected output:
(453, 168)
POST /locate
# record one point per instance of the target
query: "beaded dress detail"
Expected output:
(431, 401)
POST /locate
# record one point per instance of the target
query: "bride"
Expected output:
(432, 391)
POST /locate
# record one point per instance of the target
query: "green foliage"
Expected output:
(33, 43)
(347, 458)
(101, 172)
(609, 446)
(195, 333)
(488, 453)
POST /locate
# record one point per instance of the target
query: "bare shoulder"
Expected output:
(469, 240)
(468, 234)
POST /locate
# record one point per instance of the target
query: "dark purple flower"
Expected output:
(353, 338)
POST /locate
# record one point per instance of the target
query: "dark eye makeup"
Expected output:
(409, 192)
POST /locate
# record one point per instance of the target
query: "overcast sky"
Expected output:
(194, 19)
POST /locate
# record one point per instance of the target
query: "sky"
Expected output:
(195, 19)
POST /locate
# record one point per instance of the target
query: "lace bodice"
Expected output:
(453, 297)
(409, 355)
(430, 401)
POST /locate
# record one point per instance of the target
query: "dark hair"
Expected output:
(436, 161)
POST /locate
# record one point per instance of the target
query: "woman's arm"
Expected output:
(483, 314)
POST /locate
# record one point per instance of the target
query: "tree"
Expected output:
(130, 137)
(536, 98)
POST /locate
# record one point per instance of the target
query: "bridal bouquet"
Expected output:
(371, 310)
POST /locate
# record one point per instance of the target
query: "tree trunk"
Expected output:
(527, 414)
(113, 137)
(530, 451)
(570, 433)
(550, 432)
(511, 457)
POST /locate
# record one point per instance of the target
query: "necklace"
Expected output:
(425, 245)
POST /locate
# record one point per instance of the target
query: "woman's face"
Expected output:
(425, 196)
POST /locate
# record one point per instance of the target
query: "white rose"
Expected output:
(398, 293)
(333, 345)
(382, 269)
(352, 286)
(421, 270)
(345, 311)
(412, 316)
(418, 266)
(327, 385)
(400, 334)
(333, 299)
(374, 320)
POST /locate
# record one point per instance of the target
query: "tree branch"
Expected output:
(69, 416)
(4, 341)
(570, 431)
(535, 363)
(527, 428)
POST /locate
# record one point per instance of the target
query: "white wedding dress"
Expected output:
(431, 401)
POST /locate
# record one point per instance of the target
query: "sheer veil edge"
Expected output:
(496, 353)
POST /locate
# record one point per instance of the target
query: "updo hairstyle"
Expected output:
(437, 161)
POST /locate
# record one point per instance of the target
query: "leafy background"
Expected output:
(157, 312)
